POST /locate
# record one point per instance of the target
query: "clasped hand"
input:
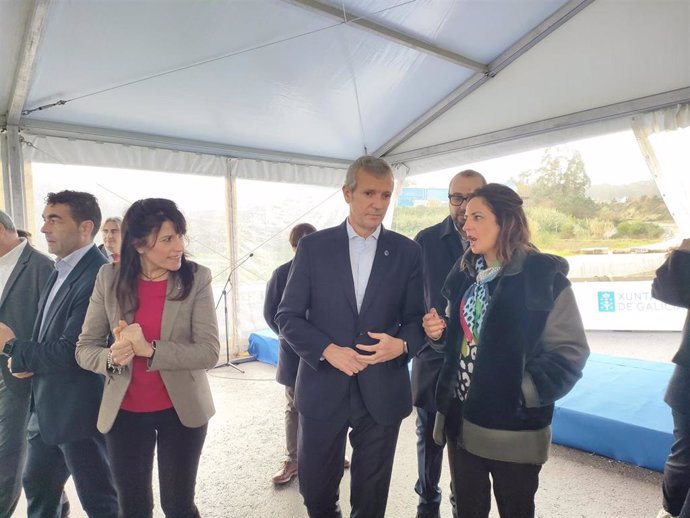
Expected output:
(129, 342)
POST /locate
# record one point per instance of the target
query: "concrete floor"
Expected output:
(245, 446)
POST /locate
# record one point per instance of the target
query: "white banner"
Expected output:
(625, 306)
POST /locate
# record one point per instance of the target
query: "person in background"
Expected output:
(672, 286)
(62, 435)
(157, 399)
(514, 344)
(442, 245)
(288, 361)
(112, 238)
(26, 235)
(23, 274)
(352, 311)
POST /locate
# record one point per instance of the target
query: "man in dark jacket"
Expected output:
(672, 286)
(442, 245)
(288, 361)
(23, 273)
(352, 311)
(62, 435)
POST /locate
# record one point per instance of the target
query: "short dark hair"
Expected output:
(143, 218)
(299, 231)
(83, 206)
(506, 205)
(468, 173)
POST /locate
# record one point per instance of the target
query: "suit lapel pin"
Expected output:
(386, 253)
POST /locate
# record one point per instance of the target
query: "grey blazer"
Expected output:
(188, 346)
(19, 304)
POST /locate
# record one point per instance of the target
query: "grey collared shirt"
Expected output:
(362, 253)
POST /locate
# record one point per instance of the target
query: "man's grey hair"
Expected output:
(7, 222)
(469, 173)
(113, 219)
(371, 164)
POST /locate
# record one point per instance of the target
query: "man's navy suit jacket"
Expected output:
(319, 308)
(66, 397)
(441, 249)
(288, 361)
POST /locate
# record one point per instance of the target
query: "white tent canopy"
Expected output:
(293, 90)
(425, 82)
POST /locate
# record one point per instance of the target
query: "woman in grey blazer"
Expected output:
(159, 307)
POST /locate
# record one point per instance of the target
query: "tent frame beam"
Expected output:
(130, 138)
(391, 34)
(572, 120)
(13, 175)
(32, 38)
(519, 48)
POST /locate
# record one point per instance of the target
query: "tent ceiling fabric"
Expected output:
(600, 57)
(229, 77)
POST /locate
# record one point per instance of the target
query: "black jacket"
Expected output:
(441, 249)
(66, 397)
(672, 286)
(531, 351)
(288, 361)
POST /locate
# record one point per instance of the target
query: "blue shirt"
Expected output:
(63, 267)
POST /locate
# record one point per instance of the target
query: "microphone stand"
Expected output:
(224, 298)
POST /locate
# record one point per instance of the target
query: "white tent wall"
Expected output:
(245, 293)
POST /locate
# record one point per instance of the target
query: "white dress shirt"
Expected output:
(8, 262)
(362, 253)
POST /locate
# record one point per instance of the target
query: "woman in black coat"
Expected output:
(514, 344)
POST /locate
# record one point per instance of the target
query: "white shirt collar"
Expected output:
(12, 256)
(351, 231)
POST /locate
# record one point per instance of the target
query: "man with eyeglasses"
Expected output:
(442, 245)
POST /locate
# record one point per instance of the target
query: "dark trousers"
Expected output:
(429, 463)
(676, 482)
(514, 484)
(320, 451)
(131, 444)
(49, 466)
(14, 414)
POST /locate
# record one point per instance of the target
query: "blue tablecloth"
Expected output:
(617, 410)
(264, 346)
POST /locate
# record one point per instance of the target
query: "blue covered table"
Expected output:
(264, 346)
(617, 410)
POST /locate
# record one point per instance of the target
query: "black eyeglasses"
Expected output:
(458, 199)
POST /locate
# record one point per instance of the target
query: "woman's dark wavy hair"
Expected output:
(514, 233)
(143, 219)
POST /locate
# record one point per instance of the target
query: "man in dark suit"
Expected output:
(352, 311)
(288, 361)
(23, 273)
(62, 434)
(442, 245)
